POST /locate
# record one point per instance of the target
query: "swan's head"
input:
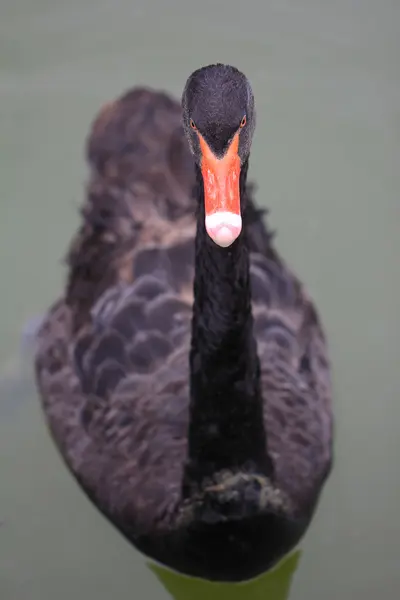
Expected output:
(219, 121)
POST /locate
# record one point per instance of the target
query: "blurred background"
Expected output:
(326, 79)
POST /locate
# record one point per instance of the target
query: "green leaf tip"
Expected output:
(272, 585)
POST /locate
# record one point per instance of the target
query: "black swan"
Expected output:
(184, 372)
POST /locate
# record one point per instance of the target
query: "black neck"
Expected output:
(226, 415)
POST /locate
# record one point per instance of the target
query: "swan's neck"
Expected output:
(226, 415)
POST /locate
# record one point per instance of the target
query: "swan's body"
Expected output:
(207, 443)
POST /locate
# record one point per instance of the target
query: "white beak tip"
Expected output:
(223, 227)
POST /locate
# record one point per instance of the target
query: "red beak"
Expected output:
(221, 192)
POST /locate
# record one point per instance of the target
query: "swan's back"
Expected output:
(139, 193)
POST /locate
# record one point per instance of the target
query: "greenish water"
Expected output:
(326, 157)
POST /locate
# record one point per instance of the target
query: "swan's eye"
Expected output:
(243, 121)
(193, 125)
